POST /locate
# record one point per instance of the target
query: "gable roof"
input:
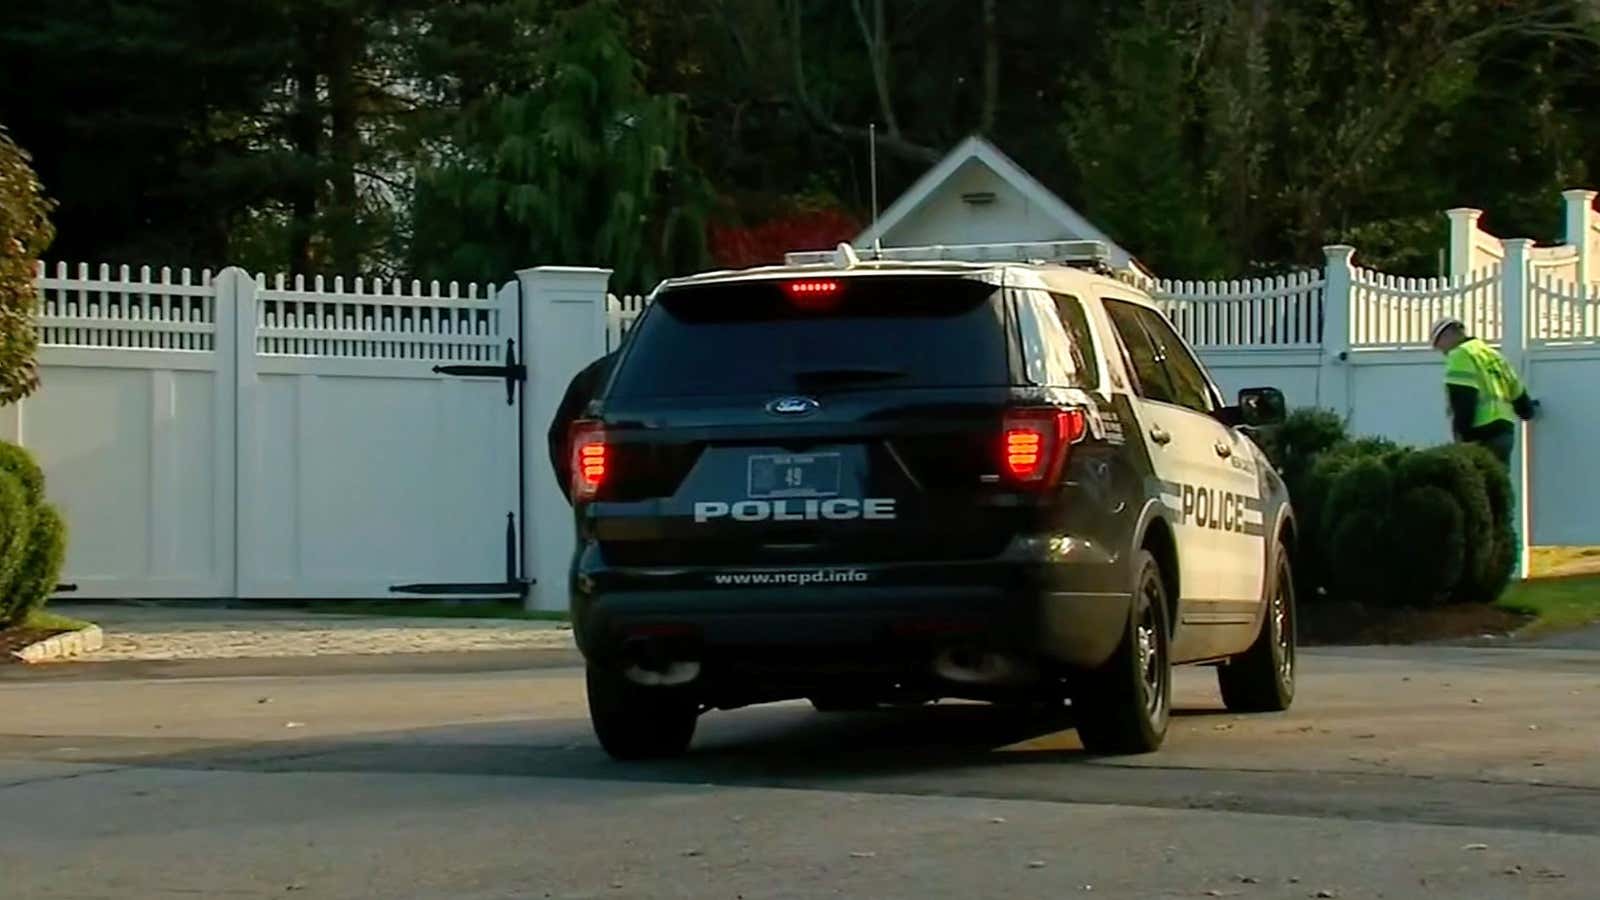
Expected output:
(977, 148)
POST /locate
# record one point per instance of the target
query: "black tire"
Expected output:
(1123, 706)
(635, 722)
(1262, 678)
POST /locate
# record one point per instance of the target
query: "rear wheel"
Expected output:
(1262, 678)
(1123, 706)
(634, 722)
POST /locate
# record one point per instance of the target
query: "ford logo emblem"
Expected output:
(793, 406)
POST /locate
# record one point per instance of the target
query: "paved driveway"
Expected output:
(1445, 772)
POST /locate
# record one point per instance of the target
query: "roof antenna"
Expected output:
(872, 154)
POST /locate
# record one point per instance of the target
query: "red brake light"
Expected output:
(797, 288)
(1035, 442)
(813, 294)
(590, 459)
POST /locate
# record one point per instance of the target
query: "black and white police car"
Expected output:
(905, 478)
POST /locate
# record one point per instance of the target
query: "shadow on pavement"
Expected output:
(945, 750)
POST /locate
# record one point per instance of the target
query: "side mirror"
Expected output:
(1263, 406)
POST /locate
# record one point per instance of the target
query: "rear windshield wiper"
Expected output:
(846, 375)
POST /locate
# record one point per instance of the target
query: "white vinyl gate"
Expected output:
(229, 437)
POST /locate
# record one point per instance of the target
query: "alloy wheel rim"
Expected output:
(1282, 633)
(1148, 644)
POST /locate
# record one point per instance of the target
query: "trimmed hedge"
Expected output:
(1385, 524)
(38, 575)
(16, 526)
(20, 464)
(33, 537)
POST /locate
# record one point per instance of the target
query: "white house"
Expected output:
(978, 195)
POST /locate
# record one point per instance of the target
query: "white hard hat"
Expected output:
(1443, 325)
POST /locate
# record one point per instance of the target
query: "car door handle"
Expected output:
(1223, 450)
(1160, 436)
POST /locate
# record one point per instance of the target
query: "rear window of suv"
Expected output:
(869, 332)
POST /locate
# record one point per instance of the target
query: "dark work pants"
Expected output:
(1499, 443)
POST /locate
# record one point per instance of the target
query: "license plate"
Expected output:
(794, 475)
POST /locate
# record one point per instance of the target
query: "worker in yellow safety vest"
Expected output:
(1486, 396)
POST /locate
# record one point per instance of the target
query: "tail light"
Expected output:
(591, 460)
(1035, 443)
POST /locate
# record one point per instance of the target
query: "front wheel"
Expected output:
(1262, 678)
(1123, 706)
(635, 722)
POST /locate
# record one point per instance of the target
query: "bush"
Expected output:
(1386, 524)
(20, 464)
(16, 525)
(1429, 532)
(38, 575)
(1500, 554)
(1306, 434)
(33, 537)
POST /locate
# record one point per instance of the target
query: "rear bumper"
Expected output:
(1069, 609)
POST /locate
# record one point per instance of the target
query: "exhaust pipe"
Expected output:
(648, 664)
(981, 667)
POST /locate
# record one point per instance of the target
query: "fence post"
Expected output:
(1580, 222)
(563, 330)
(1333, 378)
(1514, 325)
(234, 344)
(1463, 226)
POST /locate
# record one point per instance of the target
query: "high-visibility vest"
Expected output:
(1476, 365)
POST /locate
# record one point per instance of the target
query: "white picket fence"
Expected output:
(621, 313)
(226, 435)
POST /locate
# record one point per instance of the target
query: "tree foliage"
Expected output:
(574, 161)
(25, 232)
(413, 137)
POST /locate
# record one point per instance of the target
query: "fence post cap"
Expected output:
(1338, 252)
(1580, 194)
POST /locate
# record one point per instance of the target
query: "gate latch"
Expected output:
(512, 371)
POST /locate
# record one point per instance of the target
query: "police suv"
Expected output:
(905, 478)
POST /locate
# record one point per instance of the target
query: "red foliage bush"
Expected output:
(765, 244)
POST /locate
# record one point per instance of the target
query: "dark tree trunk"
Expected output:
(344, 53)
(305, 134)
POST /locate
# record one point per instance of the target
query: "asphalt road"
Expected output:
(1441, 772)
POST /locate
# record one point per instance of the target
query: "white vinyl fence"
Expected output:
(222, 435)
(1355, 340)
(226, 436)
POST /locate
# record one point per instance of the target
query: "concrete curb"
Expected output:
(63, 646)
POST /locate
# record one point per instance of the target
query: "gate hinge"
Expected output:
(513, 371)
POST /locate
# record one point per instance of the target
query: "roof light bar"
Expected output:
(1067, 252)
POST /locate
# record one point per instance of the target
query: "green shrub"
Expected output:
(40, 571)
(1306, 434)
(1357, 556)
(16, 521)
(20, 464)
(1363, 485)
(1430, 535)
(1387, 524)
(32, 537)
(1452, 472)
(1501, 550)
